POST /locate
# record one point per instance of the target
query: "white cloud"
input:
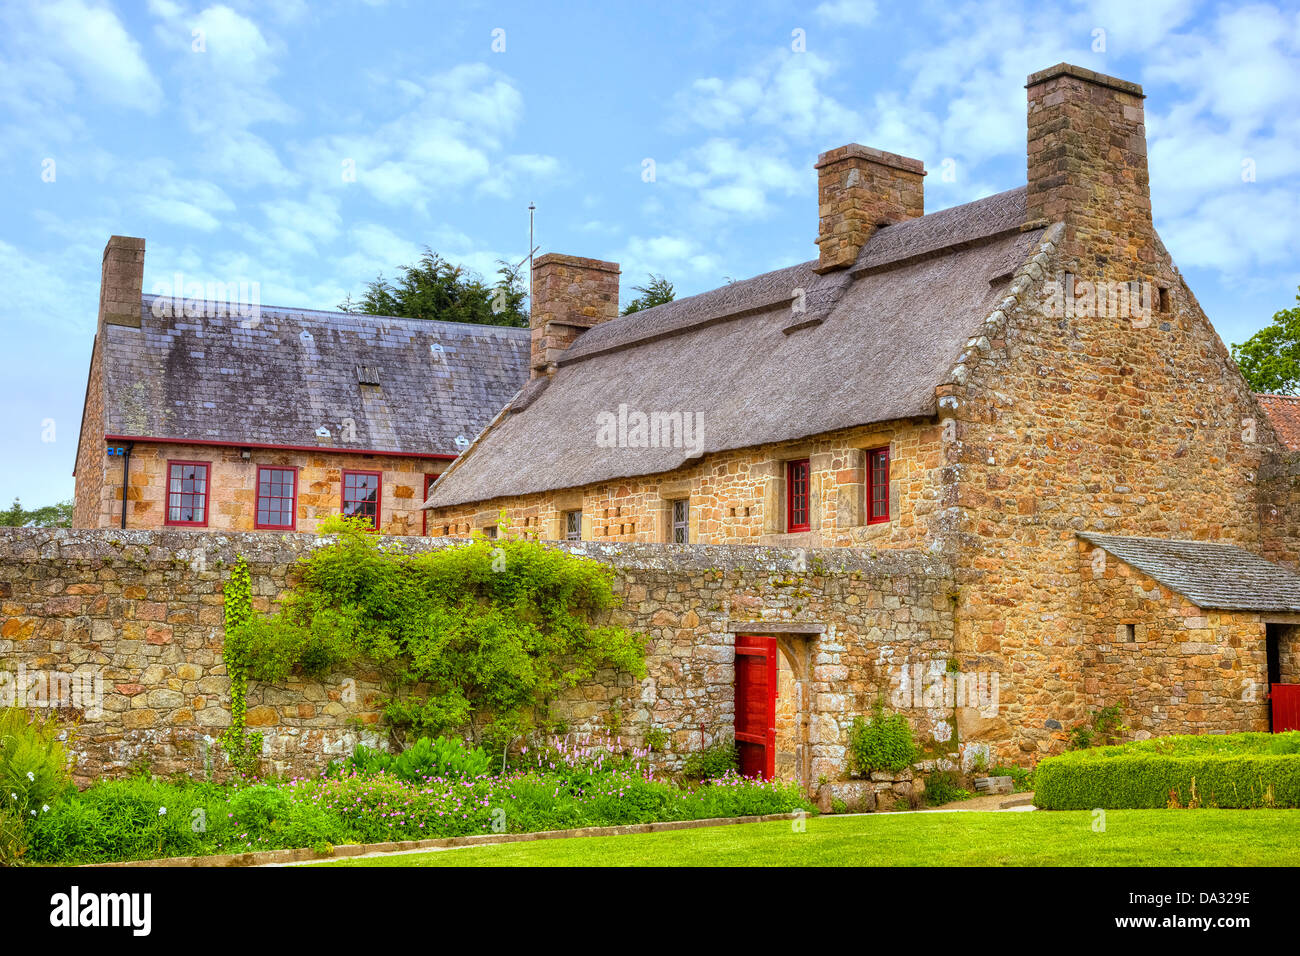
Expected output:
(192, 203)
(855, 13)
(91, 41)
(736, 179)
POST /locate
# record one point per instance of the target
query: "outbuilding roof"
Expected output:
(1209, 574)
(300, 377)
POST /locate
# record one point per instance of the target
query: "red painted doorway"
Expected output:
(756, 683)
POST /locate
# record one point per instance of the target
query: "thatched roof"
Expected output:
(279, 377)
(759, 362)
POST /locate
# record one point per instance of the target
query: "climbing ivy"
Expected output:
(479, 638)
(242, 748)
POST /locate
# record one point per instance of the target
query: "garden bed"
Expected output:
(1212, 770)
(145, 818)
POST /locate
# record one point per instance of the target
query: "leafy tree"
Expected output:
(434, 288)
(655, 292)
(1270, 359)
(50, 516)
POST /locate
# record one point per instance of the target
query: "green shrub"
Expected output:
(715, 760)
(1021, 777)
(944, 786)
(1238, 770)
(882, 743)
(1104, 728)
(445, 758)
(34, 775)
(476, 634)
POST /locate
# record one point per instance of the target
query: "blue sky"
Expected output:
(219, 133)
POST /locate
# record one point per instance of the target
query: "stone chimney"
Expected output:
(1087, 166)
(121, 282)
(860, 189)
(569, 295)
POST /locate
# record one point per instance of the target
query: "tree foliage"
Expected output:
(434, 288)
(655, 292)
(480, 637)
(1270, 359)
(51, 516)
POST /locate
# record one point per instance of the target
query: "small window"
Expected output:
(277, 498)
(1163, 301)
(361, 495)
(573, 526)
(681, 521)
(490, 532)
(428, 485)
(187, 493)
(796, 483)
(877, 485)
(1130, 633)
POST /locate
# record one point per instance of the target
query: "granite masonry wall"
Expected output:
(142, 610)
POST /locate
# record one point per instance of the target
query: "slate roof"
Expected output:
(875, 340)
(1210, 575)
(278, 379)
(1283, 413)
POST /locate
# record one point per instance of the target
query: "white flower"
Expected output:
(31, 776)
(45, 808)
(14, 795)
(162, 811)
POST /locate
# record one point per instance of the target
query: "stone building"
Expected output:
(1024, 385)
(223, 414)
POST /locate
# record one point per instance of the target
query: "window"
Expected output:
(187, 493)
(796, 485)
(877, 485)
(490, 532)
(361, 495)
(573, 526)
(428, 485)
(681, 522)
(277, 498)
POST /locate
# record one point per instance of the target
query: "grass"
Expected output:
(1131, 838)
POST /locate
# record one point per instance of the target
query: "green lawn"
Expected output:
(1131, 838)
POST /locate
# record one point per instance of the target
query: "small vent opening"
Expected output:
(367, 375)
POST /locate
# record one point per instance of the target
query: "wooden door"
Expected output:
(1285, 701)
(756, 705)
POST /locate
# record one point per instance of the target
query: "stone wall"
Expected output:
(232, 502)
(143, 609)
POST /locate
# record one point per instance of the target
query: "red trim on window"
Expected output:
(878, 485)
(797, 479)
(252, 444)
(428, 483)
(167, 493)
(379, 492)
(293, 500)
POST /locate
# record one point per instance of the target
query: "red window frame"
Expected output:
(878, 485)
(428, 483)
(167, 493)
(379, 491)
(293, 500)
(798, 488)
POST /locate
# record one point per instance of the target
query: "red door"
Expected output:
(756, 705)
(1286, 707)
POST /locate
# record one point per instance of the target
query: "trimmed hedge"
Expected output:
(1209, 771)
